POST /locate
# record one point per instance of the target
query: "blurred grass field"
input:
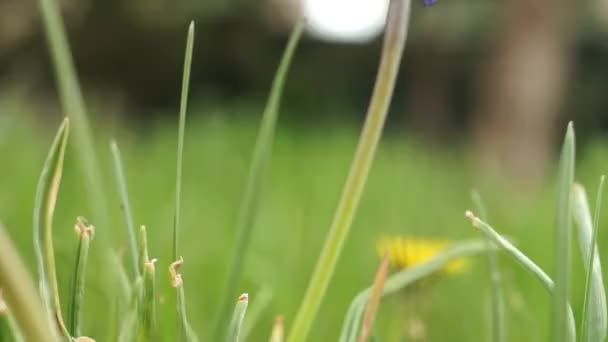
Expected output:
(412, 191)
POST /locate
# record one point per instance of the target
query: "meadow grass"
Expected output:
(147, 311)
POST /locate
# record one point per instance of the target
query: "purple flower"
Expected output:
(428, 3)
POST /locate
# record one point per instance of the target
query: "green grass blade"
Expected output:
(262, 301)
(394, 43)
(498, 306)
(185, 331)
(594, 315)
(563, 219)
(121, 184)
(85, 235)
(527, 264)
(259, 163)
(44, 209)
(373, 303)
(20, 294)
(238, 316)
(277, 330)
(73, 106)
(398, 281)
(148, 315)
(180, 139)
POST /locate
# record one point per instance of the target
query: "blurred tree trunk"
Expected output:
(521, 89)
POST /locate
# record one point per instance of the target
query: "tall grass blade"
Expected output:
(277, 330)
(180, 139)
(594, 315)
(185, 331)
(398, 281)
(20, 294)
(85, 233)
(255, 178)
(148, 314)
(121, 184)
(44, 209)
(527, 264)
(374, 300)
(498, 306)
(238, 316)
(563, 219)
(73, 105)
(394, 43)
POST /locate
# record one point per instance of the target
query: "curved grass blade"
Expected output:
(185, 331)
(498, 306)
(402, 279)
(238, 316)
(21, 296)
(394, 43)
(180, 139)
(563, 221)
(73, 105)
(594, 315)
(527, 264)
(44, 209)
(261, 156)
(374, 301)
(277, 330)
(121, 184)
(85, 233)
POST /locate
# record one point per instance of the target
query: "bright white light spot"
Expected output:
(345, 20)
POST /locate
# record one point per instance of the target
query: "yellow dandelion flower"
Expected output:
(406, 252)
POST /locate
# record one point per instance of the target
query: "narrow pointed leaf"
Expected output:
(238, 316)
(563, 219)
(47, 191)
(594, 315)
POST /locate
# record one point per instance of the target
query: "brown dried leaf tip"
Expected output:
(83, 228)
(176, 278)
(149, 265)
(244, 298)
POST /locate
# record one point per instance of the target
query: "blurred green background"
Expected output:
(483, 97)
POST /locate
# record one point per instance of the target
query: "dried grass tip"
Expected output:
(83, 228)
(176, 278)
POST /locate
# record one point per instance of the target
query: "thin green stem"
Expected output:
(123, 192)
(238, 316)
(259, 163)
(85, 235)
(394, 43)
(498, 316)
(180, 140)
